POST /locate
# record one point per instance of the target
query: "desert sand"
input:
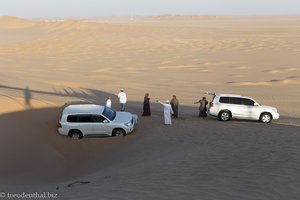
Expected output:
(46, 64)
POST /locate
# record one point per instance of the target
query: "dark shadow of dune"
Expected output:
(31, 149)
(190, 151)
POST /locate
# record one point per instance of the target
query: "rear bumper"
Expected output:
(62, 131)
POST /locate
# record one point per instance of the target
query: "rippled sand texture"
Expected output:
(46, 64)
(165, 55)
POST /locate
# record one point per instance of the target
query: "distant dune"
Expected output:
(189, 17)
(246, 52)
(47, 64)
(14, 22)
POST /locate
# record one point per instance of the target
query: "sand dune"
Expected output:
(9, 22)
(114, 54)
(45, 65)
(181, 161)
(292, 80)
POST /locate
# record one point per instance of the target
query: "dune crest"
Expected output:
(47, 65)
(149, 55)
(9, 22)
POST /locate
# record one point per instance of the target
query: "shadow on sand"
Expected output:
(192, 150)
(66, 95)
(27, 98)
(33, 153)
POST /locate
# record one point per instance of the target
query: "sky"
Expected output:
(94, 8)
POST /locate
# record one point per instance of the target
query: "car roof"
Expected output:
(84, 109)
(229, 95)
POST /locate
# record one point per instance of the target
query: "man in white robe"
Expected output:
(108, 102)
(167, 112)
(123, 99)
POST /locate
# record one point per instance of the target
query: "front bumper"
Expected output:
(133, 126)
(276, 116)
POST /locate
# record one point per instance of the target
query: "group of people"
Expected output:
(170, 107)
(122, 98)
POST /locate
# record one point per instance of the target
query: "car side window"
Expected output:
(72, 118)
(248, 102)
(236, 100)
(97, 118)
(224, 100)
(79, 118)
(85, 118)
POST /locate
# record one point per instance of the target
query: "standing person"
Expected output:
(108, 102)
(202, 108)
(146, 106)
(174, 104)
(167, 112)
(123, 99)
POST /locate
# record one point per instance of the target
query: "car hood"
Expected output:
(123, 117)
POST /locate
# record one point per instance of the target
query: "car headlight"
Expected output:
(128, 124)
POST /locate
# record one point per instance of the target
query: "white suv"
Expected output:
(95, 120)
(227, 106)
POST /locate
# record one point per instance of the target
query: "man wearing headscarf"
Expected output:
(167, 112)
(146, 106)
(202, 108)
(174, 104)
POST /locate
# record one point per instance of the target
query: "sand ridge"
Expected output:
(180, 161)
(219, 55)
(48, 64)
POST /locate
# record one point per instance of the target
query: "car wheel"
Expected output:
(265, 118)
(76, 135)
(224, 116)
(118, 132)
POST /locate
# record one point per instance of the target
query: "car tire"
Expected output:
(265, 118)
(75, 134)
(224, 115)
(118, 131)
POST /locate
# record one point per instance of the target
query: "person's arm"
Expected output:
(197, 102)
(158, 101)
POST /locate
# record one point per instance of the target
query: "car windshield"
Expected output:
(109, 113)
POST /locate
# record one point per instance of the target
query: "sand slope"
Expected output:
(47, 64)
(163, 55)
(193, 158)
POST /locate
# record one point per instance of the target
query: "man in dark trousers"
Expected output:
(174, 104)
(202, 108)
(146, 106)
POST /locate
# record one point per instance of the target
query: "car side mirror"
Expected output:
(256, 104)
(105, 121)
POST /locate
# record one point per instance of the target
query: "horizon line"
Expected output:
(160, 15)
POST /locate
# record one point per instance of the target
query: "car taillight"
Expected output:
(59, 125)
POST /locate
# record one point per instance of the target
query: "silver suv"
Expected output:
(82, 120)
(227, 106)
